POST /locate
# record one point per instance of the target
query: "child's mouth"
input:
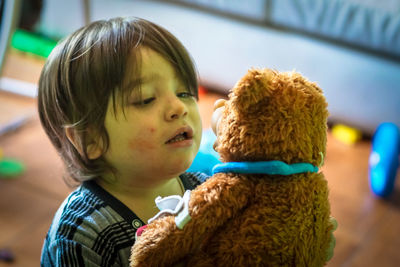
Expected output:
(180, 137)
(183, 134)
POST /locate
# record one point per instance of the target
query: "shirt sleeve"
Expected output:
(71, 253)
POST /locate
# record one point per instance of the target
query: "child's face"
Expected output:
(158, 137)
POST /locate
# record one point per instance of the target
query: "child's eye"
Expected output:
(144, 102)
(185, 95)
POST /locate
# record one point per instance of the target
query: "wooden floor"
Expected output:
(369, 228)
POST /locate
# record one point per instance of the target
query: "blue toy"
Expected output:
(384, 159)
(207, 157)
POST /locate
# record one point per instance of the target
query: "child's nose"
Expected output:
(176, 109)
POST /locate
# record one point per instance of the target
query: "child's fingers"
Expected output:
(334, 222)
(332, 244)
(216, 117)
(331, 248)
(219, 103)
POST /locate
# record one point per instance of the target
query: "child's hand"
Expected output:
(219, 107)
(332, 244)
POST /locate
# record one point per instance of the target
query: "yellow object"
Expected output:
(346, 134)
(1, 153)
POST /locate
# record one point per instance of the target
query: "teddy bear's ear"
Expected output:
(252, 89)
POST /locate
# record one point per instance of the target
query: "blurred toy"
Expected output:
(32, 43)
(202, 91)
(9, 168)
(267, 204)
(384, 159)
(6, 255)
(206, 158)
(346, 134)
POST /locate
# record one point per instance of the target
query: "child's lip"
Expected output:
(185, 129)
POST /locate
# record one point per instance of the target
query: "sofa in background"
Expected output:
(351, 48)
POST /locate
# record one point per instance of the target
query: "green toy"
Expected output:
(32, 43)
(10, 168)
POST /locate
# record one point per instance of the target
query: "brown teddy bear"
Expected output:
(267, 204)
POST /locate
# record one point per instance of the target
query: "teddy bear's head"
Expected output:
(273, 115)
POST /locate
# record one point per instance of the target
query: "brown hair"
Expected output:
(87, 68)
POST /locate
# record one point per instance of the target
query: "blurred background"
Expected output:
(350, 48)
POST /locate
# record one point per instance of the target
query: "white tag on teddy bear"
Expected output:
(183, 216)
(174, 205)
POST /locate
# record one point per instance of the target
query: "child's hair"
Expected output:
(86, 70)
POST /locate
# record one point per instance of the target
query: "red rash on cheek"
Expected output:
(144, 141)
(141, 144)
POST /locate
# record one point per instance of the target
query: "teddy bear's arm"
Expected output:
(211, 205)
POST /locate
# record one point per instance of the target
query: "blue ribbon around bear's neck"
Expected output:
(274, 167)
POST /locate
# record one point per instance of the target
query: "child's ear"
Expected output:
(94, 148)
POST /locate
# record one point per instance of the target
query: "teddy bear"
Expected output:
(267, 202)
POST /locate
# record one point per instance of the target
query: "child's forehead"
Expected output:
(153, 65)
(149, 67)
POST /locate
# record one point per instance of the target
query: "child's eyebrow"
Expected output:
(134, 83)
(155, 77)
(147, 79)
(150, 78)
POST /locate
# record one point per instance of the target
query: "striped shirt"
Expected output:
(93, 228)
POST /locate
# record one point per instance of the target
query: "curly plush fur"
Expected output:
(254, 219)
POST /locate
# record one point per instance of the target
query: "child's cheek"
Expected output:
(144, 141)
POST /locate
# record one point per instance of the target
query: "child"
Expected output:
(117, 99)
